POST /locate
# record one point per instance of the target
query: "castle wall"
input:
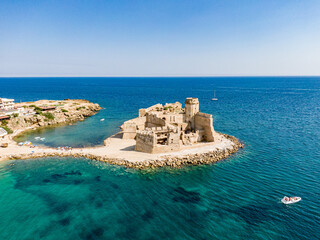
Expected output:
(149, 142)
(152, 120)
(174, 140)
(204, 123)
(190, 138)
(165, 149)
(145, 142)
(130, 128)
(173, 117)
(141, 147)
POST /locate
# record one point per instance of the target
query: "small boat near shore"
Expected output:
(290, 200)
(102, 119)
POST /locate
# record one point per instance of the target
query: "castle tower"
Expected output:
(191, 108)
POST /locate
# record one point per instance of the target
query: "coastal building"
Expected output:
(160, 129)
(47, 108)
(5, 117)
(8, 108)
(6, 104)
(26, 112)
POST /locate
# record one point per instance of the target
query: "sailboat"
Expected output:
(214, 97)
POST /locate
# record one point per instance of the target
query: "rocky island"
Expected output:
(162, 135)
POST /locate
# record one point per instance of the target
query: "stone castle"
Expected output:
(161, 129)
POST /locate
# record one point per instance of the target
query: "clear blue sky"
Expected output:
(159, 37)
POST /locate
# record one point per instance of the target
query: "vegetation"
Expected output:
(48, 115)
(38, 111)
(165, 108)
(5, 127)
(15, 115)
(9, 130)
(63, 110)
(79, 108)
(4, 122)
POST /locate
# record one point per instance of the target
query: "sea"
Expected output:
(277, 119)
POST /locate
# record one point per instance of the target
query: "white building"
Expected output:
(3, 132)
(6, 104)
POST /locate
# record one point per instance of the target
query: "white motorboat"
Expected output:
(290, 200)
(102, 119)
(37, 138)
(42, 139)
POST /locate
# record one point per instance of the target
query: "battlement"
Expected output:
(191, 100)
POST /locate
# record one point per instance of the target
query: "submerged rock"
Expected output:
(182, 195)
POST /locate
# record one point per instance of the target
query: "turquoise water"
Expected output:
(278, 119)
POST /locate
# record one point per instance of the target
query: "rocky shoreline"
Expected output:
(64, 112)
(169, 161)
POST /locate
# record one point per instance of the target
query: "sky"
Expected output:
(159, 38)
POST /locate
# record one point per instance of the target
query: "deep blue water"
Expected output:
(278, 119)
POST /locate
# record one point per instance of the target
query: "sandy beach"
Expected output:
(117, 149)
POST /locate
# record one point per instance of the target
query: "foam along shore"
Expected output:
(121, 152)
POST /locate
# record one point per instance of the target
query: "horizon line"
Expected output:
(154, 76)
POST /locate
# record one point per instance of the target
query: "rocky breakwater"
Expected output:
(174, 161)
(47, 112)
(192, 159)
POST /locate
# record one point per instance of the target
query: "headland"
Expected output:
(162, 135)
(20, 117)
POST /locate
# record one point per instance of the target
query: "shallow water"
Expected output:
(278, 119)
